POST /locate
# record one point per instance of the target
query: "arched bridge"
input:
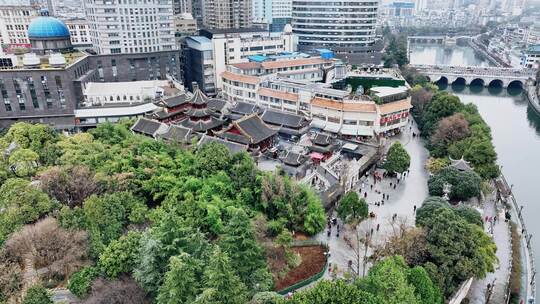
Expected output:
(485, 76)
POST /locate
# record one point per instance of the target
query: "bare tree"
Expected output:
(49, 246)
(404, 240)
(122, 291)
(420, 98)
(451, 129)
(70, 186)
(358, 241)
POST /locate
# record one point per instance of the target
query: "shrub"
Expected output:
(81, 281)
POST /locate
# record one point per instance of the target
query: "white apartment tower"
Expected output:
(345, 27)
(277, 13)
(131, 26)
(14, 21)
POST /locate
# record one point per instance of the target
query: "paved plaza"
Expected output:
(403, 196)
(410, 191)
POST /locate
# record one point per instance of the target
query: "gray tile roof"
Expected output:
(177, 133)
(146, 126)
(245, 108)
(232, 146)
(174, 100)
(255, 128)
(280, 118)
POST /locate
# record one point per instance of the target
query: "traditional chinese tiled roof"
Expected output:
(202, 125)
(177, 133)
(294, 159)
(251, 127)
(322, 139)
(148, 126)
(198, 98)
(280, 118)
(171, 102)
(216, 104)
(232, 146)
(461, 165)
(244, 108)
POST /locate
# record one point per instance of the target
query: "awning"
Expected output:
(318, 124)
(334, 128)
(316, 156)
(357, 130)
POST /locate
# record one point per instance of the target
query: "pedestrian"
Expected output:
(378, 225)
(328, 232)
(486, 219)
(371, 186)
(387, 196)
(398, 180)
(371, 231)
(365, 194)
(338, 227)
(390, 184)
(395, 186)
(414, 209)
(337, 235)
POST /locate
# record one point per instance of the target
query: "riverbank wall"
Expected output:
(532, 98)
(527, 250)
(492, 58)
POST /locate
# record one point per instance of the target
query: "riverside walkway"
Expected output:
(492, 288)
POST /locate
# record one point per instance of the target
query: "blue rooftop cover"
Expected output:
(47, 27)
(534, 48)
(257, 58)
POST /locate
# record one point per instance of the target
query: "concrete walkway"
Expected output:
(500, 232)
(410, 191)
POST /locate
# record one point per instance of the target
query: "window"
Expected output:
(7, 104)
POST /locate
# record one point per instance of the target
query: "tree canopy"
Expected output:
(352, 209)
(148, 210)
(397, 159)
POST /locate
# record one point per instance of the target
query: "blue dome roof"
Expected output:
(47, 27)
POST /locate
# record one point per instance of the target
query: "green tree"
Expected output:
(23, 162)
(266, 297)
(352, 209)
(458, 250)
(397, 159)
(120, 255)
(37, 294)
(435, 165)
(426, 292)
(220, 276)
(106, 216)
(442, 105)
(333, 292)
(247, 256)
(81, 281)
(21, 203)
(387, 280)
(464, 184)
(182, 281)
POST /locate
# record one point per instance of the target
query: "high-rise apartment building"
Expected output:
(131, 26)
(182, 6)
(227, 14)
(345, 27)
(277, 13)
(14, 21)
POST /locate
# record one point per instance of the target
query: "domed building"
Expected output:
(48, 34)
